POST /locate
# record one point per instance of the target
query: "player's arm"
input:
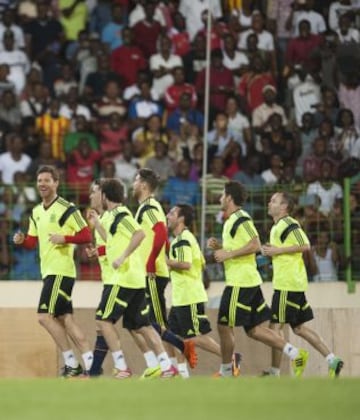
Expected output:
(178, 265)
(160, 239)
(81, 237)
(136, 239)
(295, 242)
(26, 241)
(251, 247)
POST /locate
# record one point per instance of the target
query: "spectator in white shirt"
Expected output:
(337, 9)
(8, 24)
(13, 160)
(303, 10)
(345, 32)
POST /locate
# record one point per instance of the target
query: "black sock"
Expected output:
(101, 349)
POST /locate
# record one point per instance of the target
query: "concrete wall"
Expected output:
(27, 351)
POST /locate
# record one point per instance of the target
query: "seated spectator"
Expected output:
(127, 60)
(234, 60)
(44, 158)
(346, 33)
(326, 255)
(312, 162)
(184, 115)
(249, 175)
(125, 166)
(221, 138)
(304, 10)
(217, 30)
(162, 66)
(252, 84)
(111, 34)
(114, 133)
(82, 169)
(234, 161)
(349, 96)
(72, 107)
(13, 159)
(173, 93)
(242, 12)
(197, 162)
(180, 189)
(178, 35)
(133, 91)
(346, 142)
(10, 109)
(195, 59)
(302, 49)
(306, 135)
(338, 9)
(54, 127)
(279, 141)
(143, 106)
(261, 114)
(65, 82)
(36, 101)
(147, 30)
(265, 38)
(160, 163)
(25, 194)
(8, 24)
(73, 18)
(328, 108)
(325, 187)
(5, 83)
(221, 83)
(10, 209)
(144, 139)
(310, 217)
(82, 129)
(17, 61)
(111, 101)
(273, 175)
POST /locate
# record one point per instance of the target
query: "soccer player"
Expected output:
(288, 241)
(152, 220)
(125, 293)
(242, 302)
(187, 315)
(57, 225)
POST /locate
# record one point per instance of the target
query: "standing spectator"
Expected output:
(81, 130)
(306, 135)
(304, 9)
(147, 31)
(73, 18)
(338, 9)
(114, 133)
(162, 66)
(111, 34)
(326, 255)
(234, 60)
(346, 33)
(14, 159)
(128, 59)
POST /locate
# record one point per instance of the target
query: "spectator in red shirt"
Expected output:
(174, 92)
(221, 82)
(302, 49)
(128, 59)
(253, 82)
(179, 36)
(147, 31)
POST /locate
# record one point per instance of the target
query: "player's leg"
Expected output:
(51, 305)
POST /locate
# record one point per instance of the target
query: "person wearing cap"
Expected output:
(262, 113)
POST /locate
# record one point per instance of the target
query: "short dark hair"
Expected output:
(148, 176)
(236, 191)
(289, 200)
(113, 190)
(49, 169)
(187, 212)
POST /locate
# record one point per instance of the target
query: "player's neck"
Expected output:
(145, 196)
(179, 229)
(280, 216)
(112, 206)
(49, 200)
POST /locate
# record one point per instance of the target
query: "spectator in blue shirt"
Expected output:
(184, 114)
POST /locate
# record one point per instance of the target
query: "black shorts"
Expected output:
(290, 308)
(155, 297)
(243, 306)
(55, 298)
(189, 320)
(117, 301)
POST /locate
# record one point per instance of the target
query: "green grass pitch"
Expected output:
(199, 398)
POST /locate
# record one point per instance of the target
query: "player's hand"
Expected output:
(118, 262)
(18, 238)
(268, 250)
(151, 276)
(213, 243)
(56, 239)
(92, 217)
(221, 255)
(91, 252)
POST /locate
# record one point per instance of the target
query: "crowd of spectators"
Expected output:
(104, 87)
